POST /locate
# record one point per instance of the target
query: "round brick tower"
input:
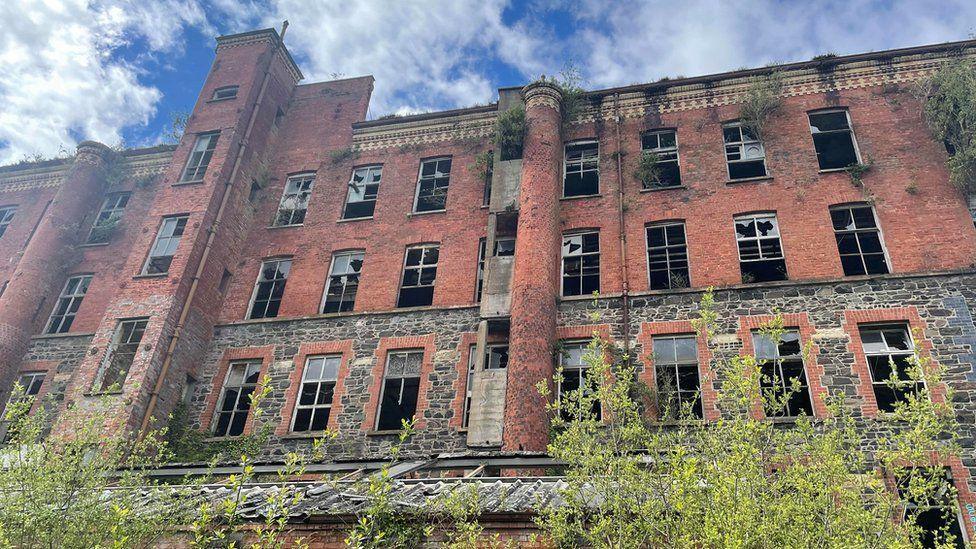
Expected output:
(46, 258)
(535, 282)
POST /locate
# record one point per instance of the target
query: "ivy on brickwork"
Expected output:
(949, 99)
(510, 132)
(762, 101)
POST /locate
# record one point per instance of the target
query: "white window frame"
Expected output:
(667, 248)
(421, 178)
(257, 282)
(110, 209)
(850, 128)
(877, 227)
(386, 367)
(163, 226)
(7, 214)
(369, 170)
(779, 236)
(420, 267)
(776, 362)
(328, 281)
(215, 421)
(113, 349)
(742, 146)
(200, 156)
(664, 154)
(222, 93)
(581, 254)
(314, 406)
(888, 352)
(583, 160)
(298, 187)
(56, 322)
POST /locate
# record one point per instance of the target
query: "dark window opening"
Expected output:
(435, 177)
(68, 304)
(890, 353)
(108, 217)
(489, 173)
(667, 256)
(931, 501)
(419, 274)
(744, 153)
(363, 189)
(226, 92)
(6, 216)
(664, 145)
(163, 249)
(760, 252)
(122, 352)
(480, 286)
(314, 401)
(581, 263)
(677, 377)
(270, 288)
(340, 293)
(581, 167)
(833, 140)
(574, 366)
(230, 419)
(858, 240)
(781, 366)
(200, 155)
(294, 200)
(401, 386)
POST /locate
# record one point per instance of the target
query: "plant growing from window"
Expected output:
(949, 107)
(762, 101)
(510, 130)
(648, 172)
(857, 171)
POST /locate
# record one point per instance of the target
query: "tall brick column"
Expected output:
(535, 282)
(45, 260)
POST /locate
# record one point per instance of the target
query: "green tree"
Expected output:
(740, 481)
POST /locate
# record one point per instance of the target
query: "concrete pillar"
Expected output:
(46, 259)
(535, 282)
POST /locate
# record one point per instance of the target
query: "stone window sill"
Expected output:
(66, 334)
(221, 100)
(153, 275)
(187, 183)
(581, 197)
(659, 189)
(749, 180)
(94, 244)
(415, 214)
(292, 226)
(832, 170)
(352, 219)
(303, 435)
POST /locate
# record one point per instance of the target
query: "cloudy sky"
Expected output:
(116, 70)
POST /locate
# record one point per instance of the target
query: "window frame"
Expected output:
(305, 184)
(206, 155)
(257, 282)
(479, 286)
(382, 396)
(7, 214)
(667, 249)
(369, 168)
(105, 214)
(881, 327)
(741, 146)
(581, 255)
(331, 274)
(583, 160)
(159, 232)
(856, 231)
(419, 267)
(320, 381)
(28, 396)
(74, 301)
(582, 369)
(850, 129)
(779, 378)
(758, 239)
(420, 179)
(222, 396)
(698, 401)
(113, 349)
(663, 151)
(216, 96)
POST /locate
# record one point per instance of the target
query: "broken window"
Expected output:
(163, 249)
(401, 386)
(226, 92)
(489, 173)
(419, 274)
(858, 240)
(294, 200)
(122, 352)
(435, 176)
(504, 247)
(68, 303)
(361, 195)
(269, 288)
(667, 256)
(314, 402)
(664, 145)
(200, 155)
(781, 365)
(496, 358)
(108, 217)
(972, 210)
(230, 419)
(581, 263)
(30, 383)
(480, 286)
(760, 252)
(890, 352)
(833, 139)
(573, 366)
(676, 376)
(340, 292)
(931, 501)
(6, 216)
(744, 153)
(581, 169)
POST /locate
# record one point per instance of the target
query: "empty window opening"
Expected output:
(581, 263)
(934, 507)
(200, 155)
(760, 252)
(122, 352)
(504, 247)
(676, 376)
(224, 281)
(294, 200)
(269, 288)
(435, 176)
(664, 145)
(489, 173)
(744, 153)
(30, 383)
(859, 240)
(361, 195)
(496, 358)
(6, 216)
(230, 419)
(833, 139)
(340, 291)
(401, 386)
(581, 169)
(165, 246)
(574, 367)
(108, 217)
(667, 256)
(480, 285)
(890, 353)
(783, 378)
(68, 304)
(419, 274)
(314, 402)
(226, 92)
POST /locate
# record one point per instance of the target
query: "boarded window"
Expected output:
(760, 252)
(419, 275)
(781, 366)
(435, 176)
(68, 304)
(667, 256)
(364, 187)
(858, 240)
(581, 168)
(676, 376)
(294, 200)
(664, 145)
(744, 153)
(833, 139)
(340, 292)
(270, 288)
(401, 386)
(314, 402)
(581, 263)
(230, 419)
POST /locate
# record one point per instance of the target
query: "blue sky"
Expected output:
(115, 70)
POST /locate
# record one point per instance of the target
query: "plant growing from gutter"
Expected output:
(762, 101)
(949, 107)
